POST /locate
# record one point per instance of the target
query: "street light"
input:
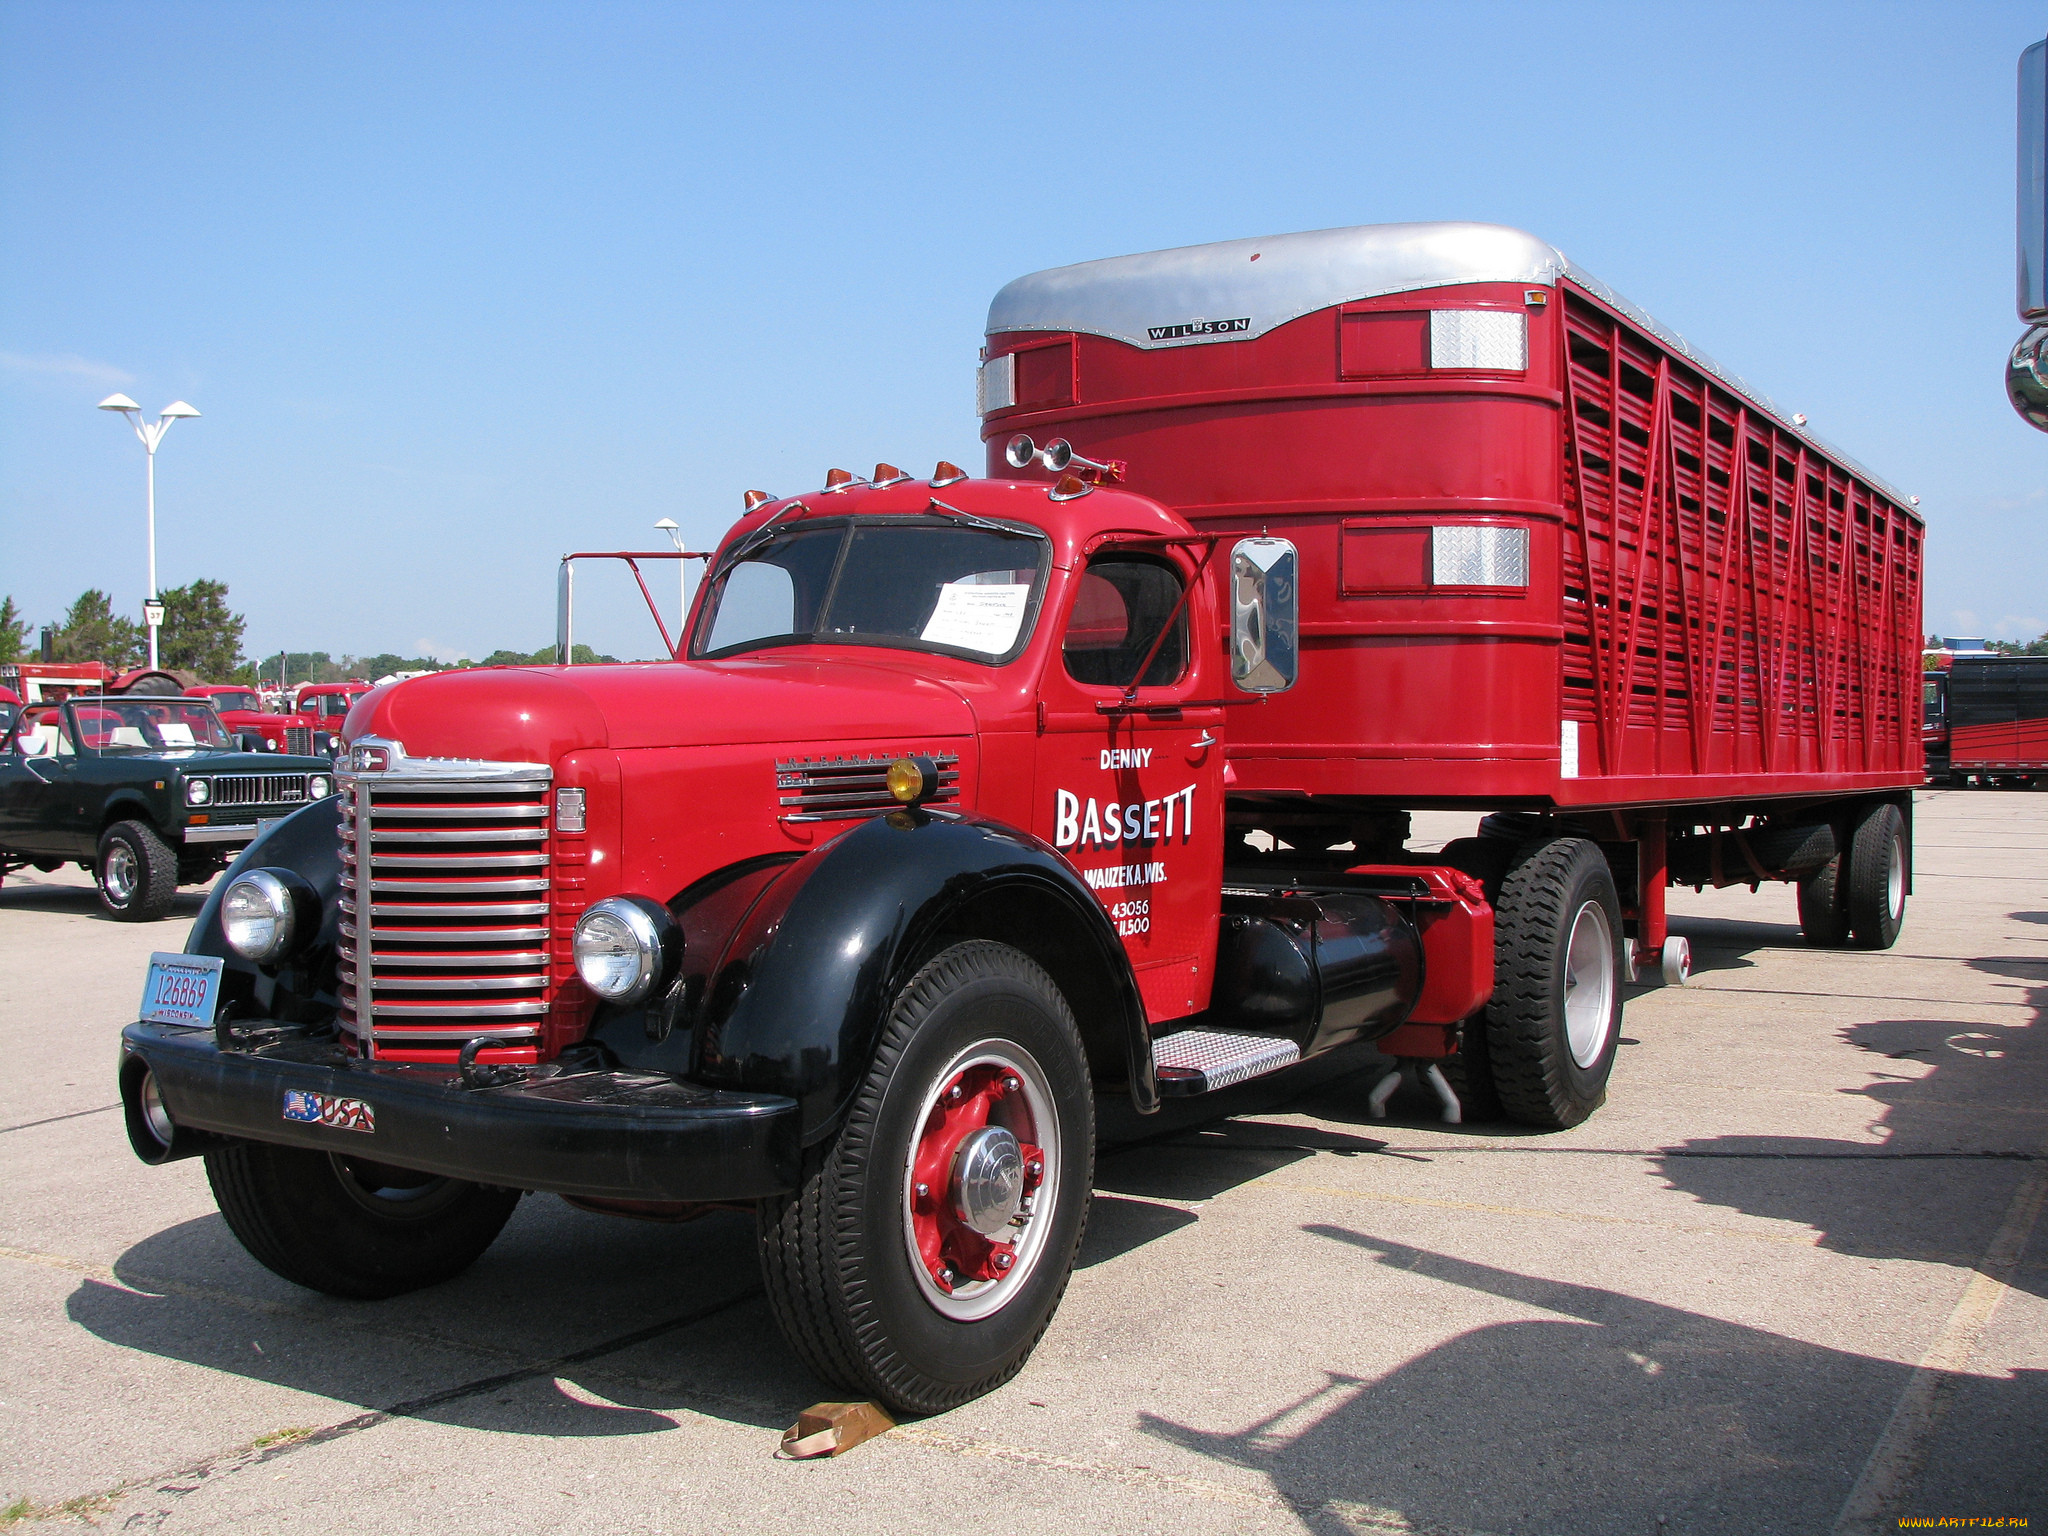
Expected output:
(675, 536)
(151, 434)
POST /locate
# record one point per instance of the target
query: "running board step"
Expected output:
(1203, 1060)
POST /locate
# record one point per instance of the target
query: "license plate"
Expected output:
(181, 989)
(309, 1108)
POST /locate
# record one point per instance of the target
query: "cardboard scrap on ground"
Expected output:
(830, 1429)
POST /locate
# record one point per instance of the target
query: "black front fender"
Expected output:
(804, 987)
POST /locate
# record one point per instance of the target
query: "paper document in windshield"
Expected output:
(977, 618)
(175, 733)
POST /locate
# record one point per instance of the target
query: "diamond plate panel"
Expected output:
(1222, 1059)
(1494, 339)
(1478, 557)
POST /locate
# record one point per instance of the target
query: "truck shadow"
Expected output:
(1612, 1415)
(19, 895)
(557, 1283)
(1956, 1126)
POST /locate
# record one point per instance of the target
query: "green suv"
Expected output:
(145, 794)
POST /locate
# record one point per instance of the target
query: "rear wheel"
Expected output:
(1822, 917)
(351, 1227)
(1876, 905)
(1554, 1020)
(929, 1243)
(136, 871)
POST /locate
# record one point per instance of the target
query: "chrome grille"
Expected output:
(298, 740)
(450, 864)
(843, 788)
(260, 789)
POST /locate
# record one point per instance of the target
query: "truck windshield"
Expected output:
(124, 725)
(247, 701)
(914, 583)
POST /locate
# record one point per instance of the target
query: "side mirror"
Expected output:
(1265, 616)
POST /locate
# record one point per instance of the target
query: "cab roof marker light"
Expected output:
(887, 474)
(838, 479)
(946, 474)
(1070, 488)
(756, 500)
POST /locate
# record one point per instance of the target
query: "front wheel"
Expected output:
(1554, 1020)
(351, 1227)
(136, 871)
(924, 1252)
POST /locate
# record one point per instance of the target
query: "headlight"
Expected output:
(623, 947)
(197, 791)
(264, 911)
(319, 787)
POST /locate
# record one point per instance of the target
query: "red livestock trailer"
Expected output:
(1554, 560)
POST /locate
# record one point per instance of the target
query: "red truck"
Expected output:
(241, 711)
(327, 706)
(967, 799)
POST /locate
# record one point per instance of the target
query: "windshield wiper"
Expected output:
(933, 504)
(759, 536)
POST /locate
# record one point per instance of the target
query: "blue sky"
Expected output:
(460, 287)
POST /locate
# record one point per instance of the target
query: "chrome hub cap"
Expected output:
(1589, 984)
(1895, 882)
(121, 874)
(988, 1179)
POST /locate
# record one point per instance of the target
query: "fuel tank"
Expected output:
(1322, 969)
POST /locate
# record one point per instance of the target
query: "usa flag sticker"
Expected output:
(308, 1108)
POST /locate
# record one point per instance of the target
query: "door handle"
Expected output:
(1203, 740)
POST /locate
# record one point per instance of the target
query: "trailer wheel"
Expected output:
(1554, 1020)
(136, 872)
(929, 1242)
(1877, 878)
(350, 1227)
(1822, 917)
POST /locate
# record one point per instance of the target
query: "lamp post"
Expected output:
(675, 536)
(151, 434)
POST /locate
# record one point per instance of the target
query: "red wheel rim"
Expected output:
(964, 1272)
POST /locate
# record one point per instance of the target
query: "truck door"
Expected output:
(1129, 779)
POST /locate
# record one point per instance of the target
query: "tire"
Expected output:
(136, 871)
(1822, 917)
(849, 1259)
(1470, 1074)
(1557, 931)
(349, 1227)
(1876, 901)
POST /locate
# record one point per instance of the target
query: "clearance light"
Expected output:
(913, 780)
(835, 478)
(947, 474)
(1070, 488)
(569, 810)
(888, 474)
(756, 500)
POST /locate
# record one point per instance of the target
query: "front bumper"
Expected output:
(600, 1134)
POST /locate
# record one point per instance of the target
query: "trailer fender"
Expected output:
(803, 988)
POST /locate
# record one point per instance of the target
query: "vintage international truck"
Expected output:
(965, 800)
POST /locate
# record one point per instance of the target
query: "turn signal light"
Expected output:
(913, 780)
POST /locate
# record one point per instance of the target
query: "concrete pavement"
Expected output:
(1790, 1279)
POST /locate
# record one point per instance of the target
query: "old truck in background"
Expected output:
(964, 800)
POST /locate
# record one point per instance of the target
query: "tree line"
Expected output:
(200, 634)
